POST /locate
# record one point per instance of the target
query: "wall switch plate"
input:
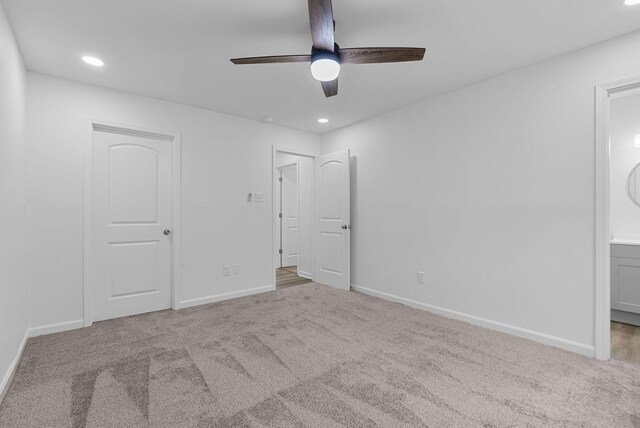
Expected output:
(226, 270)
(250, 197)
(420, 277)
(236, 269)
(259, 197)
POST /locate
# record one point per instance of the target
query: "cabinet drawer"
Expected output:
(625, 284)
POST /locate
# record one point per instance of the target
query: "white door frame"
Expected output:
(604, 94)
(92, 125)
(274, 217)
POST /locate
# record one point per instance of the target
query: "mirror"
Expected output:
(633, 185)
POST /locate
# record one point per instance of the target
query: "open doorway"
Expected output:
(624, 221)
(293, 197)
(312, 231)
(617, 316)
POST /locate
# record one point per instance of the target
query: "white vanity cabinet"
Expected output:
(625, 283)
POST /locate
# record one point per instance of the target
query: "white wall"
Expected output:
(13, 213)
(306, 172)
(625, 124)
(490, 190)
(224, 158)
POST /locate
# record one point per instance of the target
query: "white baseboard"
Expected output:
(568, 345)
(305, 275)
(224, 296)
(71, 325)
(55, 328)
(6, 379)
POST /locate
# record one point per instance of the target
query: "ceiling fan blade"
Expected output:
(322, 26)
(278, 59)
(330, 88)
(380, 55)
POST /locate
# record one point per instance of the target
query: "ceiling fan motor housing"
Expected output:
(317, 54)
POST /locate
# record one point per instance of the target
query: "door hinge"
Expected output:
(280, 215)
(280, 179)
(280, 251)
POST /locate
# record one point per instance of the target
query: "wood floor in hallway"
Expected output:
(288, 277)
(625, 342)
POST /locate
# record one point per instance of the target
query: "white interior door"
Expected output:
(131, 216)
(290, 218)
(277, 200)
(333, 220)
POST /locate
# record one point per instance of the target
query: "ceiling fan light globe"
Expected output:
(325, 69)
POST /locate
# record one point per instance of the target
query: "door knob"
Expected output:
(167, 232)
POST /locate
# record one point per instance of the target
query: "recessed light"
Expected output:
(631, 2)
(93, 61)
(323, 120)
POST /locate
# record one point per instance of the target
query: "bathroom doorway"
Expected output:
(617, 316)
(624, 224)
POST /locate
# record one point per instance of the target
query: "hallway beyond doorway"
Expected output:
(288, 277)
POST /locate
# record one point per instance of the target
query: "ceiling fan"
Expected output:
(326, 56)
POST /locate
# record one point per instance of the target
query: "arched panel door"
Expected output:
(333, 220)
(131, 215)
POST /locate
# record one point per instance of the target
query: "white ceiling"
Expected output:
(179, 50)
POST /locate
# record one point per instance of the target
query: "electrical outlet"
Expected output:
(420, 277)
(236, 269)
(226, 270)
(259, 197)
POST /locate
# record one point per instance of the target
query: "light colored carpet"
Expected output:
(310, 356)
